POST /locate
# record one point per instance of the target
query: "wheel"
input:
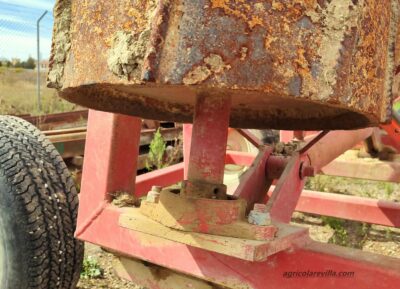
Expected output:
(38, 210)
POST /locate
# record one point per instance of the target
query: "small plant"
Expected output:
(161, 155)
(340, 236)
(155, 158)
(318, 183)
(389, 189)
(91, 269)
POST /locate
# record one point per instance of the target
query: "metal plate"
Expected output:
(286, 64)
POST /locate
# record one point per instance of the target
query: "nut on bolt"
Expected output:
(154, 195)
(306, 171)
(259, 215)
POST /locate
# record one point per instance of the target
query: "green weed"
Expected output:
(91, 269)
(340, 236)
(155, 159)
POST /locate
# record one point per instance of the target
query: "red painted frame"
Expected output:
(110, 165)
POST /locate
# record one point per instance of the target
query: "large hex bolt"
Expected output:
(154, 195)
(259, 215)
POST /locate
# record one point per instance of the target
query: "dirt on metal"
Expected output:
(310, 65)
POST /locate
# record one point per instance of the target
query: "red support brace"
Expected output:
(112, 148)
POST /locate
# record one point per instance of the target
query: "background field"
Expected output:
(18, 93)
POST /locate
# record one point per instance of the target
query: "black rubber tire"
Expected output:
(38, 210)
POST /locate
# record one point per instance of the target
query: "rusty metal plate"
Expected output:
(313, 64)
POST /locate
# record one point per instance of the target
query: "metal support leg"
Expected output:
(208, 148)
(112, 148)
(187, 141)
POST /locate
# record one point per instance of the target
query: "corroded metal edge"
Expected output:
(159, 30)
(98, 97)
(61, 43)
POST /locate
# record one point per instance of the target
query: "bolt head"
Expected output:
(307, 171)
(153, 197)
(156, 189)
(259, 218)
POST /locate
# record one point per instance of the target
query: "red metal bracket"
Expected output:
(110, 160)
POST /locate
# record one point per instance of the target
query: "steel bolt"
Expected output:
(259, 215)
(154, 195)
(156, 189)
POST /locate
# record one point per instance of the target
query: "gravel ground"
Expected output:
(109, 279)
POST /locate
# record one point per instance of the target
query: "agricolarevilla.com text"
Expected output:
(318, 274)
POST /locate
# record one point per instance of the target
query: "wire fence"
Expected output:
(18, 57)
(18, 25)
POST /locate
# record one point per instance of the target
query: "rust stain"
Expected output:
(213, 64)
(304, 60)
(240, 9)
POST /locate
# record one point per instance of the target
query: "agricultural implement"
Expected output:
(328, 66)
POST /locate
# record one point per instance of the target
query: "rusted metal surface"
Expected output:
(293, 64)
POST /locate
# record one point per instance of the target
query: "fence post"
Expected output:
(38, 60)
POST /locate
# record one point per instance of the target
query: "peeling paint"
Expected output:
(129, 48)
(338, 18)
(286, 64)
(127, 53)
(243, 53)
(213, 64)
(239, 9)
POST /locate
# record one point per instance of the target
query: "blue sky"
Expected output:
(18, 28)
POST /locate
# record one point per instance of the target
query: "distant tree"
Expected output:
(17, 63)
(30, 63)
(8, 63)
(1, 63)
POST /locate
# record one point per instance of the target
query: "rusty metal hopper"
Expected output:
(286, 64)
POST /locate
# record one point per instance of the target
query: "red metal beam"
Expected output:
(164, 177)
(111, 156)
(187, 142)
(239, 158)
(350, 207)
(247, 134)
(284, 198)
(254, 185)
(367, 270)
(393, 131)
(333, 145)
(358, 168)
